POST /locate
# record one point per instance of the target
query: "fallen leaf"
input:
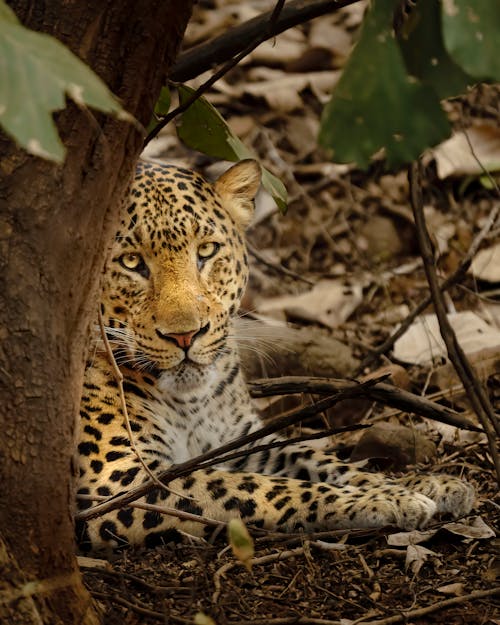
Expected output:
(486, 362)
(416, 556)
(476, 528)
(486, 264)
(468, 152)
(403, 539)
(456, 589)
(422, 343)
(329, 302)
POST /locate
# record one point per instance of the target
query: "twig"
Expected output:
(232, 62)
(191, 465)
(119, 379)
(475, 391)
(180, 514)
(202, 57)
(455, 277)
(140, 609)
(435, 607)
(384, 393)
(277, 267)
(272, 557)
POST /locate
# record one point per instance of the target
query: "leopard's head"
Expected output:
(178, 269)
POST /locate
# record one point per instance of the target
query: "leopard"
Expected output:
(171, 291)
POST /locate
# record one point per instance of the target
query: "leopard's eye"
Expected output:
(134, 262)
(207, 250)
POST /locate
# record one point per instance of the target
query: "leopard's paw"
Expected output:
(451, 494)
(394, 506)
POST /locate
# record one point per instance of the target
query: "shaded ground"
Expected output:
(355, 227)
(311, 579)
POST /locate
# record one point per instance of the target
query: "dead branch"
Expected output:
(202, 57)
(435, 607)
(455, 278)
(276, 267)
(381, 392)
(473, 387)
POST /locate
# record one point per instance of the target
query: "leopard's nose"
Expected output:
(183, 340)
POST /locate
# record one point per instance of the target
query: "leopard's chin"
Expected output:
(186, 378)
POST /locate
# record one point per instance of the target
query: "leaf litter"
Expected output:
(352, 233)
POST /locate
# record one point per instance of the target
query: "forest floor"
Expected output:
(343, 265)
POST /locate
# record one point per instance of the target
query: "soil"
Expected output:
(336, 221)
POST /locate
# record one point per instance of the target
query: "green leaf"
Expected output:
(425, 55)
(200, 618)
(204, 129)
(36, 73)
(241, 542)
(7, 14)
(162, 106)
(471, 32)
(376, 104)
(161, 109)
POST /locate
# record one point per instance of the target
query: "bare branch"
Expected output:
(202, 57)
(381, 392)
(475, 391)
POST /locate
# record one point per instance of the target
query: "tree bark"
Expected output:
(55, 222)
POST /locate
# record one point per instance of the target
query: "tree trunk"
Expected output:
(55, 222)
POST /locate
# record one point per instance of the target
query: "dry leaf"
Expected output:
(475, 528)
(422, 343)
(416, 556)
(456, 589)
(403, 539)
(455, 157)
(329, 302)
(486, 362)
(486, 264)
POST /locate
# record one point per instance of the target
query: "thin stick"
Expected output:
(435, 607)
(218, 74)
(473, 387)
(277, 267)
(119, 379)
(455, 277)
(180, 514)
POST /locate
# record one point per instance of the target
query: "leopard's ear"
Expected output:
(237, 188)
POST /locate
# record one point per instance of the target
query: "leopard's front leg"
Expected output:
(450, 494)
(275, 503)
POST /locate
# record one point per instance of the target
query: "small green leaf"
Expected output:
(471, 32)
(7, 14)
(162, 106)
(203, 128)
(36, 73)
(161, 109)
(241, 542)
(377, 105)
(200, 618)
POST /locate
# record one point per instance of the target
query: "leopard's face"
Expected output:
(177, 270)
